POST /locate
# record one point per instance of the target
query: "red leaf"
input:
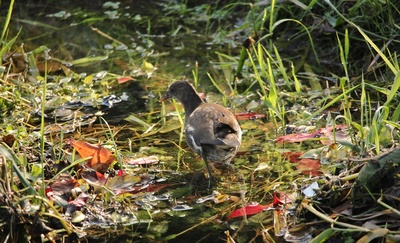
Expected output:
(147, 188)
(280, 198)
(330, 137)
(143, 161)
(61, 187)
(293, 138)
(250, 209)
(309, 166)
(248, 116)
(202, 95)
(101, 157)
(80, 201)
(306, 166)
(94, 178)
(121, 172)
(124, 79)
(292, 156)
(9, 140)
(276, 201)
(322, 133)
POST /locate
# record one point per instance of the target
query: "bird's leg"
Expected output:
(204, 157)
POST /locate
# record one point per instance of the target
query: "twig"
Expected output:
(332, 221)
(106, 36)
(387, 206)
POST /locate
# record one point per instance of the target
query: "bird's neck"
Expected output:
(191, 102)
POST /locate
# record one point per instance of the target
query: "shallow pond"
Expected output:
(102, 67)
(152, 43)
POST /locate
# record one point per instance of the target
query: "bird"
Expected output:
(211, 130)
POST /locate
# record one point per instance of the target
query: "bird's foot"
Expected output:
(212, 182)
(222, 168)
(231, 172)
(200, 180)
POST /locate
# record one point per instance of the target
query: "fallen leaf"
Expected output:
(144, 160)
(250, 209)
(292, 156)
(61, 188)
(121, 183)
(94, 178)
(293, 138)
(101, 158)
(147, 188)
(9, 140)
(276, 201)
(309, 166)
(333, 133)
(80, 201)
(244, 116)
(374, 234)
(121, 172)
(325, 134)
(124, 79)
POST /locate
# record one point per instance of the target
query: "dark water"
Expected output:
(162, 32)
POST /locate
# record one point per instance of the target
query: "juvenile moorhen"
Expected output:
(211, 130)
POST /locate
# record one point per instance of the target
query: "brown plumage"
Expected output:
(211, 130)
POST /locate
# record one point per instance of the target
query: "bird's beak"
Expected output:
(165, 97)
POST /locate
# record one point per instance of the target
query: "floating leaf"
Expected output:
(88, 80)
(80, 201)
(147, 66)
(250, 209)
(309, 167)
(292, 156)
(63, 185)
(248, 116)
(143, 161)
(94, 178)
(294, 138)
(121, 183)
(313, 153)
(124, 79)
(325, 135)
(276, 202)
(101, 158)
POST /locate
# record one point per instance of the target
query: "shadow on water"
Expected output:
(126, 32)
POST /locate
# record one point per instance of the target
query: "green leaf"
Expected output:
(10, 155)
(323, 236)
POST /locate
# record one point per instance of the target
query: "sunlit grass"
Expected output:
(264, 74)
